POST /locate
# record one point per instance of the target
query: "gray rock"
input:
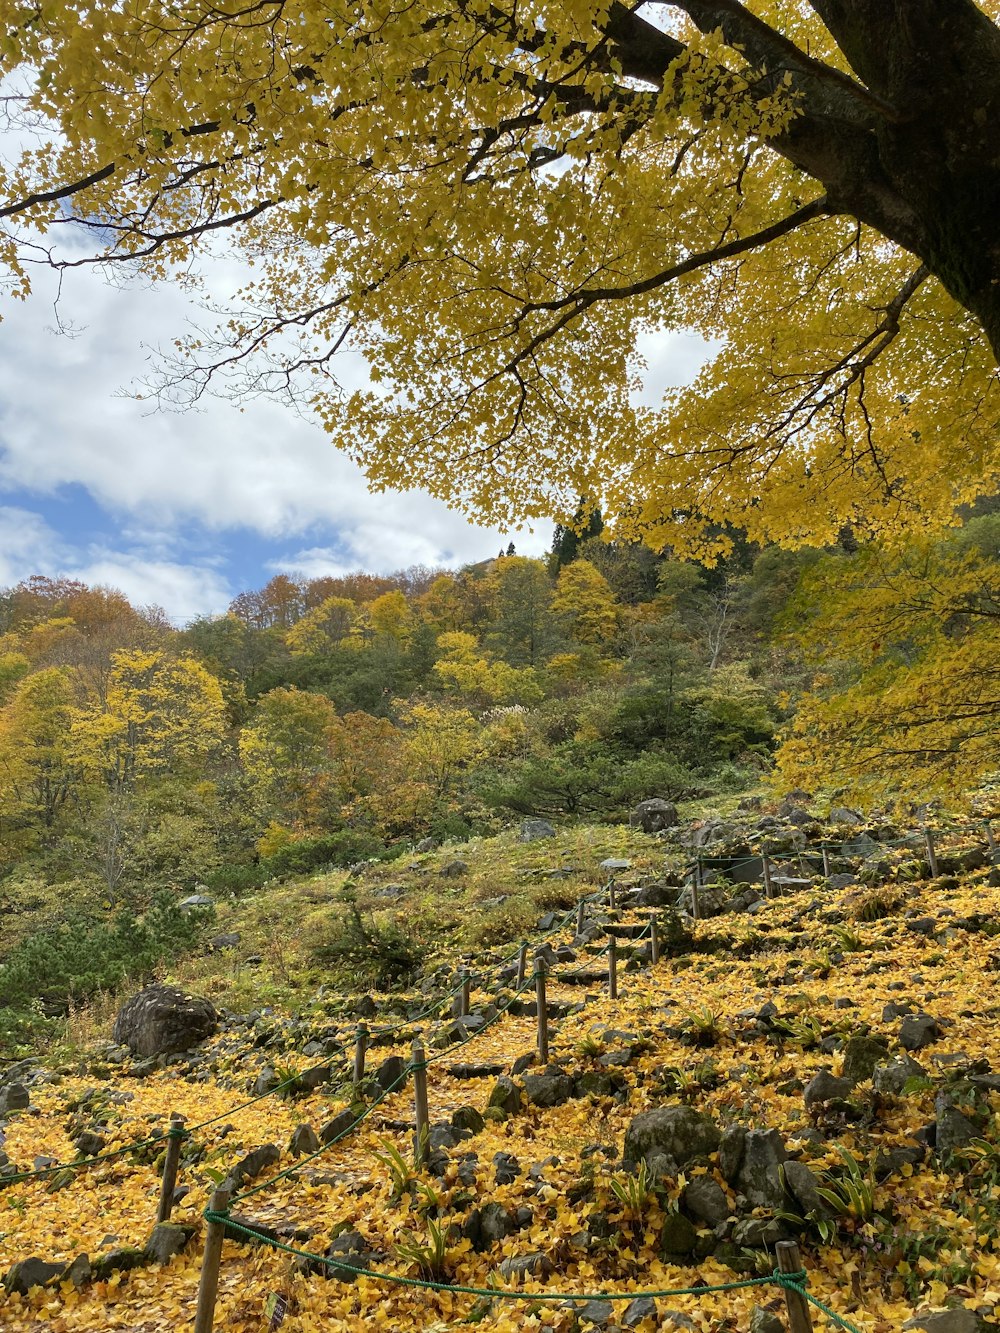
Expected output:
(506, 1095)
(79, 1272)
(731, 1148)
(704, 1199)
(165, 1240)
(672, 1135)
(506, 1167)
(548, 1089)
(861, 1057)
(495, 1223)
(893, 1077)
(643, 1307)
(425, 845)
(163, 1019)
(390, 1072)
(341, 1123)
(228, 940)
(946, 1321)
(678, 1235)
(654, 815)
(917, 1031)
(526, 1265)
(533, 829)
(196, 900)
(826, 1087)
(467, 1120)
(765, 1321)
(758, 1177)
(30, 1273)
(954, 1130)
(840, 814)
(304, 1141)
(454, 870)
(14, 1097)
(802, 1184)
(255, 1161)
(758, 1233)
(595, 1312)
(615, 863)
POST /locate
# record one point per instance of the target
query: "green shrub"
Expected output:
(339, 849)
(370, 952)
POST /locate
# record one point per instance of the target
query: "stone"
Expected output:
(14, 1097)
(526, 1265)
(304, 1141)
(255, 1161)
(917, 1031)
(678, 1236)
(803, 1185)
(758, 1177)
(643, 1307)
(228, 940)
(671, 1135)
(28, 1273)
(765, 1321)
(705, 1200)
(861, 1057)
(958, 1320)
(79, 1272)
(840, 814)
(953, 1129)
(495, 1223)
(163, 1019)
(425, 845)
(165, 1240)
(390, 1072)
(615, 863)
(758, 1233)
(890, 1079)
(468, 1120)
(121, 1259)
(534, 829)
(731, 1148)
(654, 815)
(454, 870)
(548, 1089)
(196, 900)
(595, 1312)
(506, 1168)
(89, 1143)
(826, 1087)
(506, 1095)
(337, 1127)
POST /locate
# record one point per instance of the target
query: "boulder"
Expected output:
(548, 1089)
(765, 1321)
(533, 829)
(826, 1087)
(304, 1141)
(758, 1177)
(862, 1055)
(654, 815)
(14, 1097)
(803, 1185)
(30, 1273)
(731, 1148)
(958, 1320)
(163, 1019)
(917, 1031)
(893, 1077)
(166, 1240)
(705, 1200)
(678, 1236)
(667, 1138)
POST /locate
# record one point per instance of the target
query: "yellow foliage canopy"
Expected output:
(494, 207)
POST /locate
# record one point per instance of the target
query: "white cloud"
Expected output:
(26, 543)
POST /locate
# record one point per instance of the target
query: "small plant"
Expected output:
(633, 1190)
(428, 1256)
(589, 1047)
(848, 941)
(849, 1200)
(289, 1084)
(703, 1027)
(402, 1173)
(878, 904)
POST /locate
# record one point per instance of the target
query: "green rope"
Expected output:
(788, 1281)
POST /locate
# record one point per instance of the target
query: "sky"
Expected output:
(184, 510)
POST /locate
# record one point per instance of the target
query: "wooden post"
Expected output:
(932, 860)
(541, 1003)
(696, 890)
(654, 940)
(826, 863)
(208, 1287)
(612, 968)
(360, 1049)
(790, 1261)
(463, 995)
(612, 902)
(522, 963)
(991, 840)
(768, 886)
(581, 914)
(421, 1133)
(169, 1181)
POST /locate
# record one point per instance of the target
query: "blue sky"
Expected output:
(185, 510)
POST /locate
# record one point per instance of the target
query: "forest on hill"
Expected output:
(322, 722)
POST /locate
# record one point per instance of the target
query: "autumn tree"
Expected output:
(287, 752)
(584, 605)
(492, 207)
(520, 625)
(36, 769)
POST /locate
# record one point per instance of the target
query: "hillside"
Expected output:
(884, 1167)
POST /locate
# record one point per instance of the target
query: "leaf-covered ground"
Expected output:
(734, 1025)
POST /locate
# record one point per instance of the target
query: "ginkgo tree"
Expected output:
(493, 203)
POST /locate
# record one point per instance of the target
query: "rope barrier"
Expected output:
(788, 1281)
